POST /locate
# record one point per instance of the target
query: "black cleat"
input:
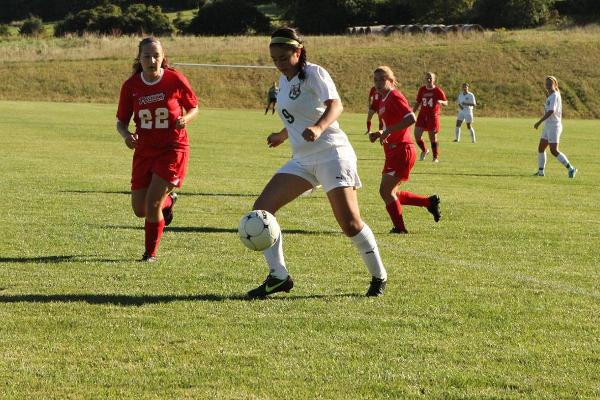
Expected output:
(272, 285)
(148, 258)
(398, 230)
(377, 287)
(434, 208)
(168, 212)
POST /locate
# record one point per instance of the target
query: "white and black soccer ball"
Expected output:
(258, 230)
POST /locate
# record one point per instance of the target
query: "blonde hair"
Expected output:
(554, 80)
(433, 76)
(389, 74)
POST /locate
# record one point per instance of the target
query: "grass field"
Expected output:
(499, 300)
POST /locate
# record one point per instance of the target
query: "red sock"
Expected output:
(154, 232)
(395, 210)
(167, 203)
(436, 149)
(413, 199)
(421, 145)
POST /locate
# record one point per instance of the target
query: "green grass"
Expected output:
(499, 300)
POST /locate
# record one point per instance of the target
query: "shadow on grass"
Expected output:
(81, 191)
(56, 259)
(212, 229)
(469, 174)
(140, 300)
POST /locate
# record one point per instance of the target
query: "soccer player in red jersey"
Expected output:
(430, 98)
(373, 106)
(400, 152)
(162, 103)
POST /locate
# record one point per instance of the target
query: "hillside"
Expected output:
(505, 69)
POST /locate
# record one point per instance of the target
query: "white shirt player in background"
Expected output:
(552, 120)
(309, 106)
(466, 102)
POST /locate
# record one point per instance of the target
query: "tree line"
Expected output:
(235, 17)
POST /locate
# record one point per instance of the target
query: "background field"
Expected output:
(506, 69)
(499, 300)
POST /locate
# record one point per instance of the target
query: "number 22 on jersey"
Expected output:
(160, 118)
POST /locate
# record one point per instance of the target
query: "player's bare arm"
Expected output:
(129, 138)
(186, 118)
(545, 117)
(332, 112)
(276, 138)
(383, 134)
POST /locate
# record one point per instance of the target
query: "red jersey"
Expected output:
(155, 107)
(393, 107)
(428, 98)
(374, 98)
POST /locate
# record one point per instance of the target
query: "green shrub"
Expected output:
(4, 30)
(32, 26)
(229, 17)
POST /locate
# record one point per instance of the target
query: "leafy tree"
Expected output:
(140, 18)
(32, 26)
(441, 11)
(229, 17)
(106, 19)
(333, 16)
(512, 13)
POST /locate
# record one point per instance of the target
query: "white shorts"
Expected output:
(465, 115)
(330, 174)
(551, 133)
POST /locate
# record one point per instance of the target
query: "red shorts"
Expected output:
(169, 164)
(399, 160)
(428, 122)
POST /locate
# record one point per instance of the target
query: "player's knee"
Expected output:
(352, 227)
(139, 211)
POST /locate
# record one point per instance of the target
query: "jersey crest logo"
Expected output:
(295, 92)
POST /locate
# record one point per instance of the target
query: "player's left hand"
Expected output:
(180, 122)
(535, 126)
(311, 133)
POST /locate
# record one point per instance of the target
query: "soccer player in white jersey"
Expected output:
(552, 120)
(466, 102)
(309, 106)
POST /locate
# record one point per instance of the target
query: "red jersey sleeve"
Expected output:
(188, 98)
(399, 106)
(125, 108)
(440, 94)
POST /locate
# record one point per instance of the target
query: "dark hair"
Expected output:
(291, 33)
(137, 65)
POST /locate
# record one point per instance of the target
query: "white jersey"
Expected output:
(466, 98)
(300, 104)
(554, 103)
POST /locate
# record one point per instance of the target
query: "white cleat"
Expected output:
(572, 172)
(423, 155)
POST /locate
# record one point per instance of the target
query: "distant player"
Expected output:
(309, 106)
(162, 103)
(400, 152)
(373, 107)
(466, 102)
(272, 98)
(430, 98)
(552, 120)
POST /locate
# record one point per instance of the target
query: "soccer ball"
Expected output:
(259, 230)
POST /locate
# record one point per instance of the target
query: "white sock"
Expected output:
(367, 246)
(542, 160)
(563, 159)
(275, 260)
(457, 134)
(472, 135)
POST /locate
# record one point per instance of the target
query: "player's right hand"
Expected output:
(373, 136)
(131, 141)
(275, 139)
